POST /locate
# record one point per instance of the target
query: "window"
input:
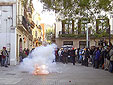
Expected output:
(68, 26)
(68, 43)
(82, 44)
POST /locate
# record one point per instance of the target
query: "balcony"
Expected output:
(23, 22)
(83, 35)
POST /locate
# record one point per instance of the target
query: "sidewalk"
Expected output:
(71, 75)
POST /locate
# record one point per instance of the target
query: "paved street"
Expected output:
(70, 75)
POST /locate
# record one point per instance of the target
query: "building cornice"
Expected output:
(7, 3)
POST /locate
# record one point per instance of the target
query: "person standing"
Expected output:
(97, 56)
(78, 53)
(87, 55)
(111, 60)
(73, 55)
(59, 55)
(65, 56)
(107, 59)
(4, 57)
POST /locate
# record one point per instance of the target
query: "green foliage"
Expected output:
(72, 35)
(102, 34)
(95, 35)
(104, 4)
(24, 2)
(49, 33)
(71, 8)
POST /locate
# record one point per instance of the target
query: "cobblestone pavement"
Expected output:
(70, 75)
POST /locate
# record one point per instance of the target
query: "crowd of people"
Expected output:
(97, 57)
(5, 59)
(23, 54)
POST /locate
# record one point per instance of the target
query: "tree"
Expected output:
(78, 9)
(70, 8)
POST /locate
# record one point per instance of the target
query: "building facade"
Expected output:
(68, 32)
(15, 28)
(8, 28)
(24, 27)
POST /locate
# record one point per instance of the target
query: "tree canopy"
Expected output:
(78, 8)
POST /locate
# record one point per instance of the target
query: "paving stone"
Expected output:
(68, 75)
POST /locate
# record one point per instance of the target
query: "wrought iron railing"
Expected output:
(23, 21)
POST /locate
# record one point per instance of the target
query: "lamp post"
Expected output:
(87, 36)
(86, 25)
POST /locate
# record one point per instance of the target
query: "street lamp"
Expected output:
(86, 25)
(86, 35)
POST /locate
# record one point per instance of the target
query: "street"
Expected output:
(68, 75)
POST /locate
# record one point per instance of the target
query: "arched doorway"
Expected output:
(20, 45)
(20, 49)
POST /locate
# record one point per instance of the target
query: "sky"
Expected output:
(46, 17)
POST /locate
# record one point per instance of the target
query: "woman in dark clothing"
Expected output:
(78, 53)
(72, 54)
(87, 55)
(65, 56)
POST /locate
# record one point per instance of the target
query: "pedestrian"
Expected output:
(94, 54)
(56, 54)
(111, 60)
(21, 56)
(107, 59)
(78, 53)
(83, 57)
(87, 55)
(27, 51)
(59, 55)
(4, 57)
(24, 53)
(102, 57)
(73, 55)
(97, 56)
(65, 56)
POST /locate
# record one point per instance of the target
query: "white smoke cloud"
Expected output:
(43, 55)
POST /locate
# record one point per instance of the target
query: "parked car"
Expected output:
(68, 47)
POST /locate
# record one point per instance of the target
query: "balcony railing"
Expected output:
(83, 35)
(23, 21)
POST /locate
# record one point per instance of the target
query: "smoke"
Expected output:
(43, 55)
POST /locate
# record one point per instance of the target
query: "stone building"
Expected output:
(73, 32)
(15, 28)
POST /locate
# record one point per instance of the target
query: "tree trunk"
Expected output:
(79, 26)
(72, 26)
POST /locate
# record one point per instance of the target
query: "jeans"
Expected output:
(111, 66)
(4, 61)
(96, 63)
